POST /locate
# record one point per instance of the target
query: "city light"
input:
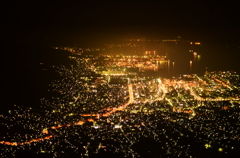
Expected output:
(114, 100)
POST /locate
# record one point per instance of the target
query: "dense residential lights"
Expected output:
(116, 103)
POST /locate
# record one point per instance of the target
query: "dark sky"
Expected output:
(84, 22)
(192, 19)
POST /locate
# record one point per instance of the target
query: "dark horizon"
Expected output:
(82, 20)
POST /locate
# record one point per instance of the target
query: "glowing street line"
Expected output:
(46, 131)
(131, 100)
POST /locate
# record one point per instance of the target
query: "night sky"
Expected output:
(202, 20)
(89, 23)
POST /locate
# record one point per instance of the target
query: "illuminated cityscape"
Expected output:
(106, 79)
(111, 104)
